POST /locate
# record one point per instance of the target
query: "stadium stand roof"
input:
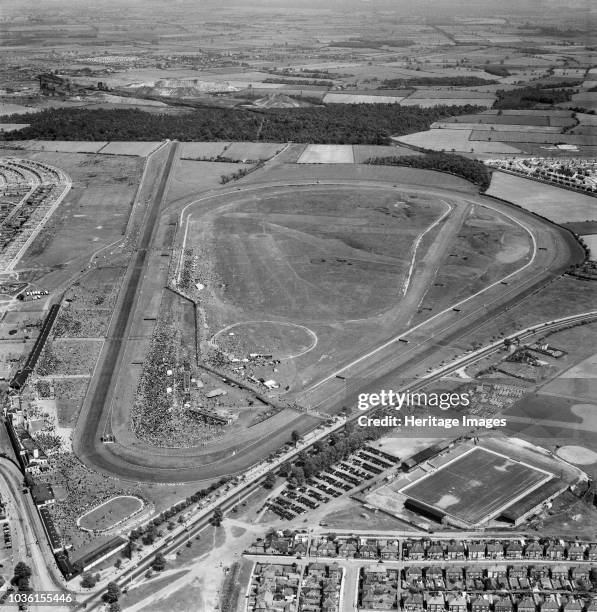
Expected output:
(102, 551)
(519, 510)
(53, 535)
(424, 510)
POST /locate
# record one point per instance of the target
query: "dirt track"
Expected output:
(139, 463)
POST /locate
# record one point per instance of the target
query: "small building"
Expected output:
(436, 603)
(576, 552)
(476, 550)
(514, 550)
(435, 551)
(526, 604)
(533, 550)
(413, 602)
(495, 550)
(503, 604)
(555, 550)
(457, 603)
(416, 551)
(42, 494)
(480, 604)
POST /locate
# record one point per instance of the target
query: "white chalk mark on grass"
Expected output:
(406, 284)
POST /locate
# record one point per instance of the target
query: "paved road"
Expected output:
(86, 439)
(31, 545)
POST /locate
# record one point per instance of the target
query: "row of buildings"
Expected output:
(316, 587)
(290, 542)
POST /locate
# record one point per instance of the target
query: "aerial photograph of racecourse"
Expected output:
(226, 231)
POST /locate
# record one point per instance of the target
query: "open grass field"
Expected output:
(476, 486)
(327, 154)
(364, 152)
(559, 205)
(69, 393)
(283, 340)
(202, 150)
(537, 137)
(190, 177)
(580, 381)
(454, 140)
(586, 99)
(110, 513)
(252, 151)
(591, 242)
(93, 214)
(332, 259)
(339, 98)
(496, 127)
(488, 247)
(428, 102)
(141, 149)
(305, 253)
(61, 146)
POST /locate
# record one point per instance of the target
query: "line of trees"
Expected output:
(150, 532)
(338, 446)
(455, 81)
(334, 124)
(470, 169)
(530, 97)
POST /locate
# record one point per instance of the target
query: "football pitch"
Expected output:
(477, 485)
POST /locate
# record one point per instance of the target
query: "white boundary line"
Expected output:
(378, 185)
(439, 314)
(310, 332)
(406, 284)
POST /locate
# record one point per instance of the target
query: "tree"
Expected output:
(118, 563)
(270, 481)
(112, 593)
(159, 563)
(88, 581)
(216, 519)
(295, 436)
(22, 570)
(114, 607)
(20, 579)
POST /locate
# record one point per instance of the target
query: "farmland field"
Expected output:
(498, 127)
(476, 485)
(457, 140)
(252, 151)
(591, 242)
(340, 98)
(586, 99)
(142, 149)
(190, 177)
(62, 146)
(524, 136)
(428, 102)
(201, 150)
(364, 152)
(559, 205)
(327, 154)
